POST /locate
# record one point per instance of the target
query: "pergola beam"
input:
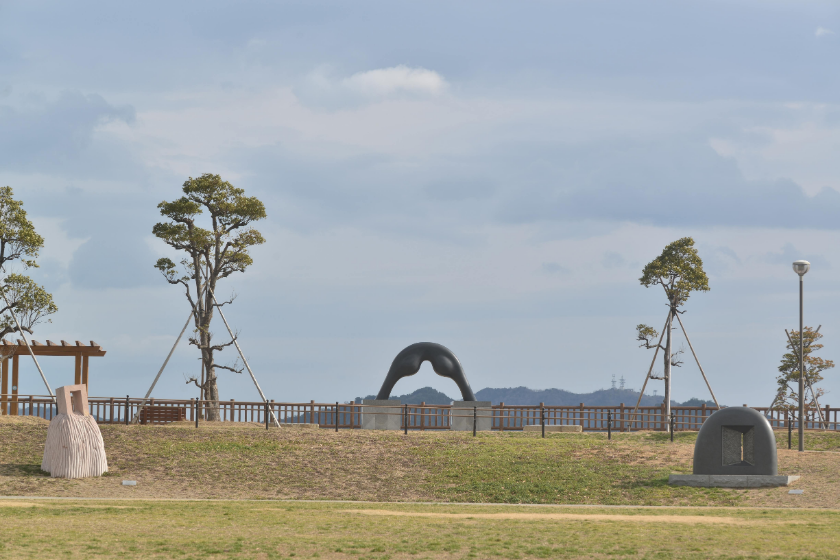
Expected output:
(53, 349)
(11, 351)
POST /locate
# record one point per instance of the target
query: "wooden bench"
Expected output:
(162, 414)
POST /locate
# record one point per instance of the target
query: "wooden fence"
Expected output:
(113, 410)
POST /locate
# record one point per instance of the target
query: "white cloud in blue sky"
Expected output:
(491, 176)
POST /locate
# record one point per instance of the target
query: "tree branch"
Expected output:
(229, 368)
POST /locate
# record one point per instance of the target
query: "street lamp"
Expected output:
(801, 268)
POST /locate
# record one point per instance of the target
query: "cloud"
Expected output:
(789, 253)
(387, 81)
(822, 32)
(322, 88)
(680, 181)
(612, 259)
(555, 268)
(42, 134)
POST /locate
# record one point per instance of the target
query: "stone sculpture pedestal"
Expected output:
(379, 414)
(74, 447)
(731, 480)
(461, 416)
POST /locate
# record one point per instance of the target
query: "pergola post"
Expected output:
(14, 407)
(4, 386)
(78, 376)
(85, 360)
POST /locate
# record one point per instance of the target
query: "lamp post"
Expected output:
(801, 268)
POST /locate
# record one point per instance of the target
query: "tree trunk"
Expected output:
(667, 374)
(211, 388)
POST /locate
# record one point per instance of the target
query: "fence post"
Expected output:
(621, 425)
(336, 416)
(126, 410)
(405, 418)
(197, 411)
(581, 417)
(542, 418)
(502, 416)
(609, 424)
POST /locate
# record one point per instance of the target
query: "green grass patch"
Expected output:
(814, 441)
(568, 469)
(138, 529)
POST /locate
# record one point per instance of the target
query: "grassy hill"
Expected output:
(240, 460)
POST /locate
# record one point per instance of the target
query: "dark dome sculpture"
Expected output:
(408, 362)
(736, 440)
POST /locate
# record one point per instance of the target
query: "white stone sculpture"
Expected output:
(74, 447)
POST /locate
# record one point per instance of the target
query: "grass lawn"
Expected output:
(129, 529)
(242, 461)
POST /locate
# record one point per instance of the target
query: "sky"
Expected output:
(490, 176)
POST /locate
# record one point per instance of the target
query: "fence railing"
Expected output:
(115, 410)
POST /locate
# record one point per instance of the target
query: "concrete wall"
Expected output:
(381, 414)
(461, 418)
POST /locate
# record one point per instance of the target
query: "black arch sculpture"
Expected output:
(408, 362)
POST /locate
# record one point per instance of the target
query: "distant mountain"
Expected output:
(425, 395)
(697, 402)
(559, 397)
(551, 397)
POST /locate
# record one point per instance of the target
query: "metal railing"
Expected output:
(115, 410)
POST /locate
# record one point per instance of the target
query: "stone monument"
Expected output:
(74, 446)
(735, 448)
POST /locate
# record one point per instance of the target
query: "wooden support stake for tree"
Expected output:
(244, 361)
(652, 362)
(693, 353)
(166, 361)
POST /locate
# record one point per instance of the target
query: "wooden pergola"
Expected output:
(14, 350)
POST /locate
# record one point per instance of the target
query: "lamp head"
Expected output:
(801, 267)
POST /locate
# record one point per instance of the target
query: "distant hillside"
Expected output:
(551, 397)
(426, 395)
(559, 397)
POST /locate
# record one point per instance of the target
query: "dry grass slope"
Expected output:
(245, 461)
